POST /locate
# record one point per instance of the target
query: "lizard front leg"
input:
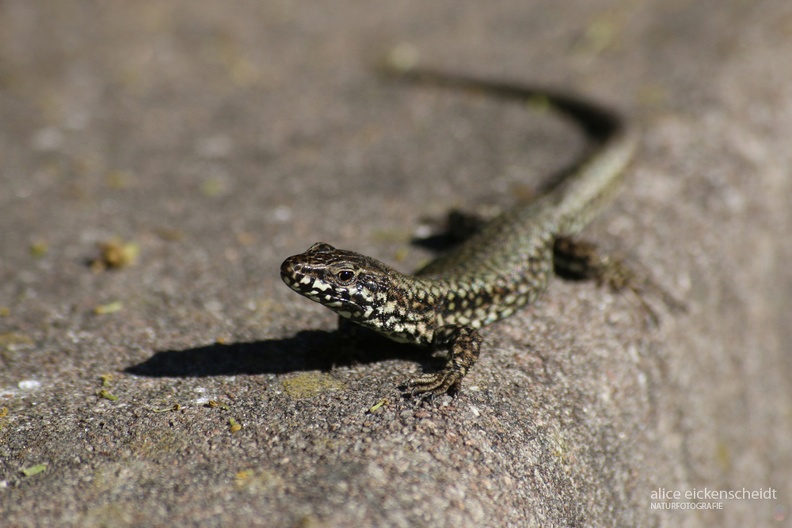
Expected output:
(463, 344)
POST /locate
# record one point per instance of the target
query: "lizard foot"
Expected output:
(435, 383)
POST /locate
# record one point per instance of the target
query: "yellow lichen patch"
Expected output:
(234, 426)
(13, 341)
(115, 254)
(214, 404)
(104, 393)
(213, 187)
(377, 406)
(34, 470)
(309, 384)
(112, 307)
(402, 57)
(39, 248)
(258, 481)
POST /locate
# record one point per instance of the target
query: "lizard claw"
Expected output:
(436, 383)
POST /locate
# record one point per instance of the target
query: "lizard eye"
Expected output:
(345, 275)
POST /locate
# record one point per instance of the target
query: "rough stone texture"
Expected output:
(221, 137)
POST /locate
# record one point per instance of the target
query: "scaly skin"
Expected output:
(503, 266)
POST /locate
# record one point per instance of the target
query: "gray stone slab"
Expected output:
(210, 140)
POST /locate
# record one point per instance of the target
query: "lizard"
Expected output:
(503, 265)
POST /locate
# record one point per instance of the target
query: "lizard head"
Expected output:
(346, 282)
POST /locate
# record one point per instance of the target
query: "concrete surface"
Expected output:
(203, 142)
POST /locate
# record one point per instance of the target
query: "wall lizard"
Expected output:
(503, 265)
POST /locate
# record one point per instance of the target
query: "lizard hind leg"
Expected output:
(464, 344)
(580, 260)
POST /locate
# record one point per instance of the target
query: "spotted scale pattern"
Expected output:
(503, 266)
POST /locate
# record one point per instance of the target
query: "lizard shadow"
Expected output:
(306, 350)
